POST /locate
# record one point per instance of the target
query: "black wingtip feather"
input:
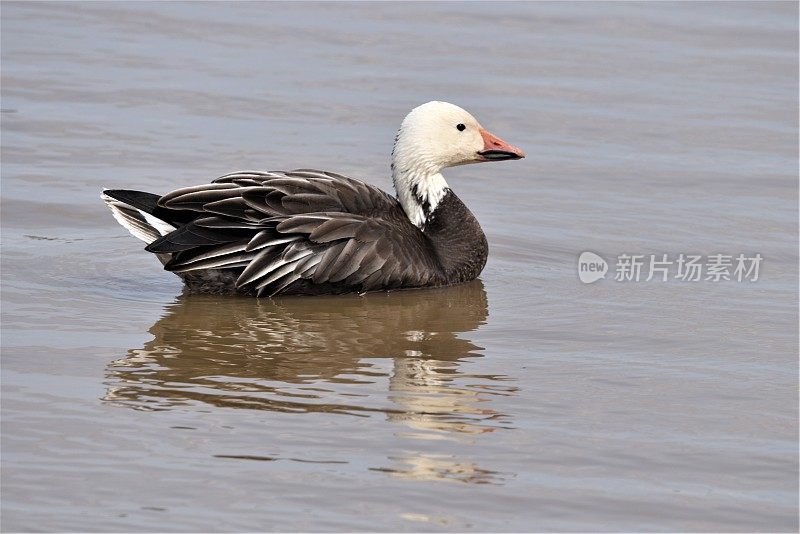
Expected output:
(146, 202)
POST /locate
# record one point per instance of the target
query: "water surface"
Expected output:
(522, 401)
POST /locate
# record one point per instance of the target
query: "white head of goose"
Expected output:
(309, 232)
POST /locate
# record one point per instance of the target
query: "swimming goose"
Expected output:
(312, 232)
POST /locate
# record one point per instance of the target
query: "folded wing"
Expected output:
(285, 230)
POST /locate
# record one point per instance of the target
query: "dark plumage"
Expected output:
(309, 232)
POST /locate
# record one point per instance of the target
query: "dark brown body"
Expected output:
(455, 239)
(308, 233)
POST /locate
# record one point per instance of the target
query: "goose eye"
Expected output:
(461, 127)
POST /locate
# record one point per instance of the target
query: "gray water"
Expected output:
(523, 401)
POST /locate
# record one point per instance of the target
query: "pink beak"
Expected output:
(495, 149)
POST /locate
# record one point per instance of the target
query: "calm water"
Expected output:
(523, 401)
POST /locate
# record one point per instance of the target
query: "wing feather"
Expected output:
(224, 223)
(350, 259)
(269, 238)
(369, 266)
(224, 250)
(335, 228)
(309, 202)
(260, 265)
(282, 227)
(223, 261)
(194, 198)
(278, 273)
(235, 207)
(285, 282)
(303, 265)
(191, 236)
(304, 224)
(328, 261)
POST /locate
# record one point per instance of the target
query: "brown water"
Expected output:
(523, 401)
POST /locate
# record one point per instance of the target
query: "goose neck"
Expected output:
(420, 187)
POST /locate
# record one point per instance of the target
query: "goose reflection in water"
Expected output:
(319, 355)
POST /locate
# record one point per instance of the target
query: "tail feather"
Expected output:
(138, 212)
(147, 202)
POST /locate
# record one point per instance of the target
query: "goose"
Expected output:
(311, 232)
